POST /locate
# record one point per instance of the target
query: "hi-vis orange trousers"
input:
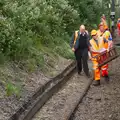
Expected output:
(104, 70)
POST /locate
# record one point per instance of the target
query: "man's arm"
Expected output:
(88, 39)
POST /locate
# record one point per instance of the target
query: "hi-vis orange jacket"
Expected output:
(108, 37)
(95, 48)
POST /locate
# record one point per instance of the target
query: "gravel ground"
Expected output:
(55, 108)
(8, 105)
(103, 102)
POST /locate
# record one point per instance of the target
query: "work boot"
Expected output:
(88, 75)
(96, 82)
(107, 79)
(79, 73)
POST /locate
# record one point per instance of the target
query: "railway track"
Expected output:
(67, 85)
(62, 104)
(57, 99)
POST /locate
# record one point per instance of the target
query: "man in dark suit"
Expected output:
(80, 44)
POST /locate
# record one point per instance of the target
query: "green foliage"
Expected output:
(24, 23)
(28, 26)
(34, 32)
(65, 51)
(12, 90)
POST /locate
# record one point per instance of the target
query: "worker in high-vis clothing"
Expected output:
(97, 45)
(118, 26)
(104, 24)
(105, 33)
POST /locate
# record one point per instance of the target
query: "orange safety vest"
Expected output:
(76, 36)
(99, 33)
(106, 35)
(95, 49)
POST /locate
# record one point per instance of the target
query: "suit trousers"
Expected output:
(82, 60)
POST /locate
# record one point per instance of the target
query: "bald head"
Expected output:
(82, 28)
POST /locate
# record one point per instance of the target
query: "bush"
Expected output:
(26, 25)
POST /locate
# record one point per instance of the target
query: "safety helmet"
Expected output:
(93, 32)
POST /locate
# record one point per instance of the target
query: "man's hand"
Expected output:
(73, 49)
